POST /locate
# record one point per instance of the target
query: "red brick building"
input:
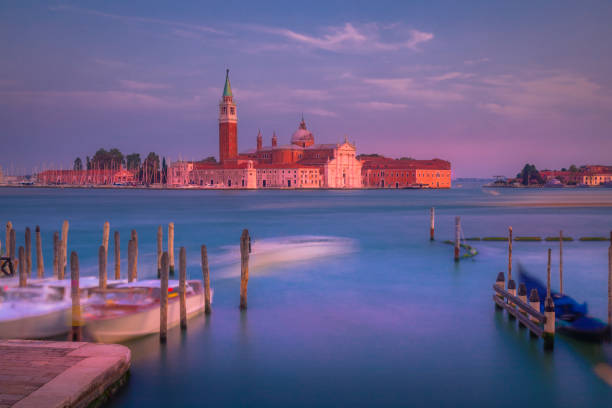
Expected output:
(383, 172)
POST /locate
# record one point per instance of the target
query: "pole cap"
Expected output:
(511, 284)
(501, 277)
(533, 296)
(522, 290)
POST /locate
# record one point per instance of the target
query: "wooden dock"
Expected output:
(60, 374)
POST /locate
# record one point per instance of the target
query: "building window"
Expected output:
(233, 110)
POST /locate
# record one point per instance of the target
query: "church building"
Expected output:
(300, 164)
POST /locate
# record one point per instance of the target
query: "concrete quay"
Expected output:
(45, 374)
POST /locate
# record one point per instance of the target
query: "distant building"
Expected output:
(86, 177)
(383, 172)
(590, 175)
(596, 175)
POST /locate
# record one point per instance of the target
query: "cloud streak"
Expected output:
(350, 38)
(137, 19)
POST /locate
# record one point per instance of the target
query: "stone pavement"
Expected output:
(59, 374)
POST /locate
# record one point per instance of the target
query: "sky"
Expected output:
(488, 86)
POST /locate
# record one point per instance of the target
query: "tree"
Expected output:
(573, 168)
(164, 175)
(88, 163)
(151, 168)
(369, 156)
(78, 164)
(530, 173)
(133, 161)
(210, 159)
(406, 158)
(103, 159)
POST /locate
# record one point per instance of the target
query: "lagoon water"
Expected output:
(350, 304)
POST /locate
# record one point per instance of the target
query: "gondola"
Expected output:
(572, 318)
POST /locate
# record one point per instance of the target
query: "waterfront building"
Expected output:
(590, 175)
(383, 172)
(596, 175)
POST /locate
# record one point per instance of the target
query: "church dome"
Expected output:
(302, 136)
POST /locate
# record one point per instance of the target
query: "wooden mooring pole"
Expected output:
(171, 246)
(163, 300)
(610, 283)
(534, 302)
(56, 246)
(206, 278)
(244, 267)
(500, 282)
(522, 294)
(102, 267)
(548, 274)
(64, 248)
(457, 237)
(13, 243)
(134, 236)
(75, 333)
(28, 251)
(549, 312)
(23, 273)
(105, 235)
(159, 249)
(117, 256)
(183, 287)
(40, 264)
(432, 220)
(561, 262)
(131, 260)
(7, 241)
(509, 254)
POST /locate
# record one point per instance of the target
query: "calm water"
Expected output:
(382, 317)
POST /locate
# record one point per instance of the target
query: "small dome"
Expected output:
(302, 136)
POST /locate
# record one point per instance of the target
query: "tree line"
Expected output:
(147, 171)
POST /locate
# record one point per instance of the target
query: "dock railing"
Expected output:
(526, 312)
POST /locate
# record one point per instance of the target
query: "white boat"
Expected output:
(42, 309)
(132, 310)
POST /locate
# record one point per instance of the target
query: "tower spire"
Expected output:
(227, 90)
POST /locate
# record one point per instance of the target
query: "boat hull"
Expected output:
(37, 326)
(140, 323)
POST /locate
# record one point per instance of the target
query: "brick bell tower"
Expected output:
(228, 120)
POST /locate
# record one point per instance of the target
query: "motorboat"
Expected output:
(42, 309)
(132, 310)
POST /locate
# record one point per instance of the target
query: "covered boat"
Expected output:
(132, 310)
(572, 318)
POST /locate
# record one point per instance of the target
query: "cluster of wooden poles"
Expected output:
(519, 307)
(165, 262)
(527, 311)
(432, 231)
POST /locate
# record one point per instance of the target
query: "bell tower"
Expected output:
(228, 121)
